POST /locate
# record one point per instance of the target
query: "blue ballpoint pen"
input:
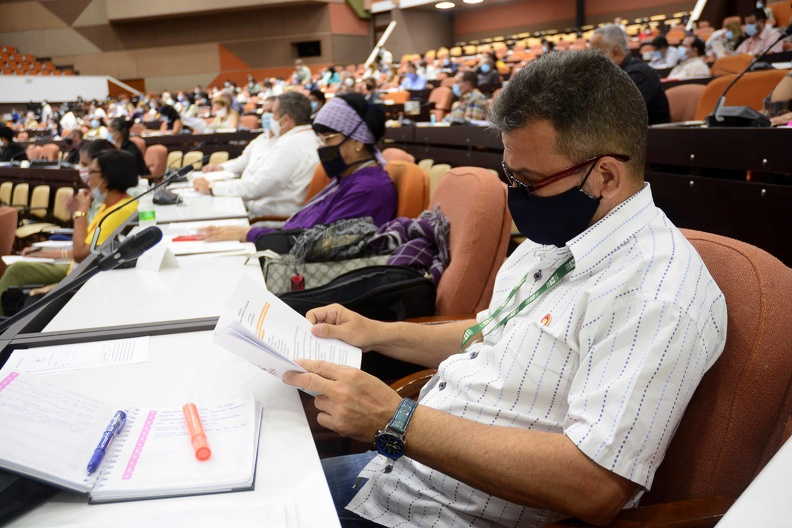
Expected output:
(113, 428)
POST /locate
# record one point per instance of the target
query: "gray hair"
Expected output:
(614, 36)
(296, 106)
(593, 105)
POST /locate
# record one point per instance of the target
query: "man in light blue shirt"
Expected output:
(413, 81)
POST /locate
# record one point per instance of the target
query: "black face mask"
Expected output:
(331, 159)
(553, 219)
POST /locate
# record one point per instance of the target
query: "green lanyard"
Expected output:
(549, 284)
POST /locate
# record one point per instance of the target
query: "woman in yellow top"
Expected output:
(110, 175)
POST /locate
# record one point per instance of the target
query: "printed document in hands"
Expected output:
(264, 330)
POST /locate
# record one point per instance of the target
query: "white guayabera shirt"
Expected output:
(275, 173)
(610, 358)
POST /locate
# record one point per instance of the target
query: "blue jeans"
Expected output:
(341, 473)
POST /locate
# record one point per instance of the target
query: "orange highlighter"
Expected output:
(196, 431)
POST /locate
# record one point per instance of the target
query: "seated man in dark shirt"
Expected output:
(612, 41)
(9, 149)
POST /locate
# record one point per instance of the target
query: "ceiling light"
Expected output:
(472, 1)
(445, 5)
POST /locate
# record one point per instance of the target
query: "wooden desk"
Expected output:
(232, 142)
(698, 175)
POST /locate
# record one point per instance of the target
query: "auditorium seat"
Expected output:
(5, 193)
(741, 412)
(782, 12)
(50, 151)
(683, 100)
(436, 174)
(426, 165)
(174, 160)
(318, 182)
(218, 157)
(395, 154)
(396, 97)
(249, 122)
(39, 201)
(442, 97)
(412, 187)
(34, 152)
(731, 64)
(193, 158)
(479, 235)
(137, 129)
(155, 157)
(60, 206)
(751, 91)
(140, 143)
(21, 195)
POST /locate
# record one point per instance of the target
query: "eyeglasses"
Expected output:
(329, 137)
(511, 180)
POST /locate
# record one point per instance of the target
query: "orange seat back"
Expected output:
(683, 101)
(731, 64)
(412, 187)
(751, 91)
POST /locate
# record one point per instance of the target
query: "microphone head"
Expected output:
(139, 243)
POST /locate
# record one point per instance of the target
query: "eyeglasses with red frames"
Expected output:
(511, 180)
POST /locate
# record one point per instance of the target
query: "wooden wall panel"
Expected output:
(343, 20)
(125, 10)
(25, 16)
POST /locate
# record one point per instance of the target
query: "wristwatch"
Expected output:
(390, 441)
(78, 214)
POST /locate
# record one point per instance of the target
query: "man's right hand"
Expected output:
(211, 168)
(335, 321)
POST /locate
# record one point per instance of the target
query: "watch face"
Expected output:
(389, 445)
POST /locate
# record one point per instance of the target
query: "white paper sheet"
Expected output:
(51, 359)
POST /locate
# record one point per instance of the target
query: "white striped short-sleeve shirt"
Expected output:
(610, 358)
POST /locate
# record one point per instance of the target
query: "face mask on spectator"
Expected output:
(683, 54)
(485, 68)
(750, 29)
(84, 172)
(314, 106)
(95, 123)
(729, 34)
(647, 55)
(98, 195)
(275, 128)
(457, 90)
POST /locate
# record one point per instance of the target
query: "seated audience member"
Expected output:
(10, 150)
(274, 173)
(89, 151)
(564, 406)
(760, 34)
(349, 129)
(724, 41)
(612, 41)
(224, 115)
(489, 79)
(171, 119)
(110, 174)
(779, 104)
(119, 133)
(663, 56)
(369, 90)
(472, 104)
(692, 65)
(330, 77)
(413, 81)
(302, 73)
(73, 141)
(317, 98)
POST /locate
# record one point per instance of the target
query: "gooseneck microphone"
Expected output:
(129, 250)
(742, 115)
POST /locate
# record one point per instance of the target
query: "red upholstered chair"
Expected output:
(395, 154)
(683, 100)
(155, 157)
(442, 97)
(50, 151)
(412, 187)
(741, 412)
(140, 143)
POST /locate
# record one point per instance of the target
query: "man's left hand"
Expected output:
(351, 402)
(202, 185)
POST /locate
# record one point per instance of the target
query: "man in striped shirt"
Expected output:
(600, 328)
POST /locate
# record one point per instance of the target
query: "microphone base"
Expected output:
(738, 116)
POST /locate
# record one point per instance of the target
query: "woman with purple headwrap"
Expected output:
(348, 129)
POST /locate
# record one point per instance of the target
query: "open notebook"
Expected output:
(49, 434)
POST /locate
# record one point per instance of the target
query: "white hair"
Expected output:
(613, 35)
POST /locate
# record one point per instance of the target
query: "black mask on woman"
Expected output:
(553, 219)
(331, 159)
